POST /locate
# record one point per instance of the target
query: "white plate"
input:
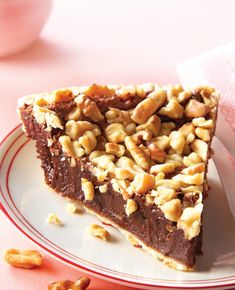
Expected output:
(27, 201)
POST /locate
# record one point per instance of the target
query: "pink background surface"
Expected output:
(104, 42)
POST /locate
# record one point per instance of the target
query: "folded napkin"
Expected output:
(217, 69)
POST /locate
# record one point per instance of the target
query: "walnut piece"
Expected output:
(148, 106)
(53, 218)
(115, 133)
(115, 149)
(130, 207)
(137, 153)
(143, 182)
(153, 124)
(172, 110)
(163, 194)
(190, 221)
(195, 109)
(165, 168)
(200, 147)
(99, 232)
(98, 90)
(172, 209)
(88, 189)
(80, 284)
(118, 116)
(27, 259)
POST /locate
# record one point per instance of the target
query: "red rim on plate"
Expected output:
(99, 272)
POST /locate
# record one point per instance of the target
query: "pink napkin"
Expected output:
(217, 69)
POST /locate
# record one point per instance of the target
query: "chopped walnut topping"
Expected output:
(196, 178)
(200, 147)
(118, 116)
(163, 194)
(88, 141)
(148, 106)
(177, 141)
(172, 209)
(88, 189)
(98, 90)
(103, 188)
(26, 259)
(203, 134)
(173, 109)
(203, 123)
(62, 96)
(190, 221)
(136, 153)
(89, 108)
(99, 232)
(115, 133)
(165, 168)
(80, 284)
(131, 206)
(115, 149)
(166, 128)
(153, 124)
(143, 182)
(195, 109)
(191, 159)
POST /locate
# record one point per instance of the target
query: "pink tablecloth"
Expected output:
(108, 42)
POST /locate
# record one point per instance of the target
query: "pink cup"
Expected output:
(21, 22)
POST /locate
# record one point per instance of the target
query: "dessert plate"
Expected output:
(26, 201)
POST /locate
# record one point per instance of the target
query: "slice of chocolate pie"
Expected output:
(135, 156)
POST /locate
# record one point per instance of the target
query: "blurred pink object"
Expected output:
(21, 22)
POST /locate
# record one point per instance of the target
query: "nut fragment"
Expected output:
(76, 129)
(27, 259)
(166, 128)
(130, 128)
(196, 178)
(172, 110)
(200, 147)
(62, 96)
(162, 142)
(137, 153)
(53, 218)
(177, 141)
(103, 188)
(165, 168)
(153, 124)
(191, 159)
(89, 108)
(156, 153)
(190, 221)
(99, 232)
(115, 133)
(118, 116)
(197, 168)
(186, 129)
(163, 194)
(172, 209)
(148, 106)
(130, 207)
(88, 189)
(71, 207)
(80, 284)
(98, 90)
(195, 109)
(203, 134)
(203, 123)
(143, 182)
(75, 114)
(126, 92)
(88, 141)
